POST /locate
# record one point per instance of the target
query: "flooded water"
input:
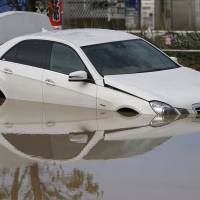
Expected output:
(58, 152)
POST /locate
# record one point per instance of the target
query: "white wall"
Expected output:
(148, 14)
(13, 24)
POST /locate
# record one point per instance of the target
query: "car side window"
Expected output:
(30, 52)
(65, 60)
(11, 54)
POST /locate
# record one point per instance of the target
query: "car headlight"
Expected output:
(161, 108)
(162, 120)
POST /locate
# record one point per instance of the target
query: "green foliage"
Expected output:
(185, 40)
(187, 59)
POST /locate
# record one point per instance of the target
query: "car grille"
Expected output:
(198, 110)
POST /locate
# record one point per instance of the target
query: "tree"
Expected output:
(48, 181)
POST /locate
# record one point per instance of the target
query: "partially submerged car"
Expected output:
(97, 68)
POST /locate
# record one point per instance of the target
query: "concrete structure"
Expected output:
(197, 14)
(97, 13)
(177, 14)
(148, 14)
(132, 14)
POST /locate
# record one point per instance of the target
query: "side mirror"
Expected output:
(78, 76)
(175, 59)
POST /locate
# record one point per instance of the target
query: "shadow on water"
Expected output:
(42, 146)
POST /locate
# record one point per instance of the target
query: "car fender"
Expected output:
(111, 99)
(2, 83)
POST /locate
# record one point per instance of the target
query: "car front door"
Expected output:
(57, 89)
(22, 70)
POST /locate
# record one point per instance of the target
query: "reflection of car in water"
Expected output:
(52, 132)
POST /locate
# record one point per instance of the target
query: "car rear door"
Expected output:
(57, 89)
(22, 68)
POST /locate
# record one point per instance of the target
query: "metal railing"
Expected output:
(94, 13)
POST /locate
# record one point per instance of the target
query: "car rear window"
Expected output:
(30, 52)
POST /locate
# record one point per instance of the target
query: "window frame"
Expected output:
(90, 77)
(45, 66)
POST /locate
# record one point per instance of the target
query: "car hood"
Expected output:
(178, 87)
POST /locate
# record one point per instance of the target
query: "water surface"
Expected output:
(58, 152)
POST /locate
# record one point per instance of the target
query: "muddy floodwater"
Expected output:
(57, 152)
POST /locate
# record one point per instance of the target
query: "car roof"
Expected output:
(85, 37)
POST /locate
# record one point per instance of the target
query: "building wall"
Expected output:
(177, 14)
(197, 14)
(96, 13)
(132, 14)
(158, 10)
(182, 14)
(148, 14)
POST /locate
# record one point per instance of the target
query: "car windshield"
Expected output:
(127, 57)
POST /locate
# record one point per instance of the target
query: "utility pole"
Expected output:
(197, 14)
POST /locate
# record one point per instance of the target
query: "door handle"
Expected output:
(50, 82)
(8, 125)
(50, 123)
(7, 71)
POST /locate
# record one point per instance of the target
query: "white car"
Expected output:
(98, 69)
